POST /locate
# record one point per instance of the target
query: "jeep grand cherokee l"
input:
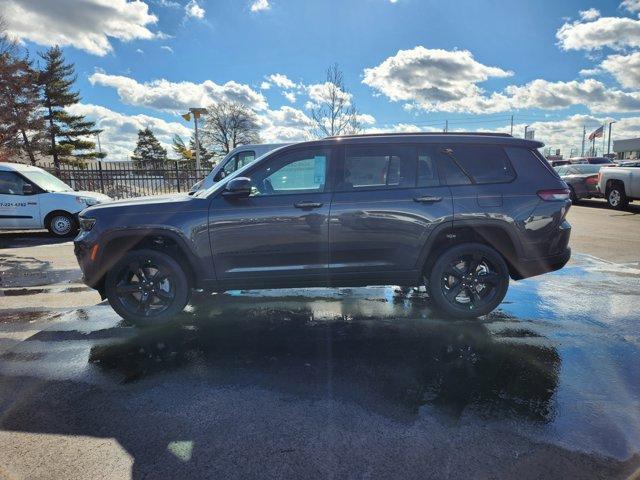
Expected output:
(459, 213)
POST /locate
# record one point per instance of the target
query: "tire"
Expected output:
(147, 287)
(453, 280)
(616, 197)
(62, 224)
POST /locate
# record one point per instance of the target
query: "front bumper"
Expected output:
(91, 274)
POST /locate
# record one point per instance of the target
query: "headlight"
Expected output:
(86, 224)
(88, 201)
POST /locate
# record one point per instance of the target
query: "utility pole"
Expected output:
(604, 133)
(512, 125)
(525, 131)
(100, 146)
(584, 135)
(609, 146)
(446, 126)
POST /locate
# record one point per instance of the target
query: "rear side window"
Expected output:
(379, 166)
(427, 171)
(480, 163)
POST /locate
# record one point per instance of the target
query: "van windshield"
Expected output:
(46, 181)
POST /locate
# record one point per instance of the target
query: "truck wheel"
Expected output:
(147, 287)
(62, 224)
(616, 197)
(468, 280)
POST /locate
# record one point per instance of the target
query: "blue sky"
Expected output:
(408, 64)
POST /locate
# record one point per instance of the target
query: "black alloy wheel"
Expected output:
(469, 280)
(147, 287)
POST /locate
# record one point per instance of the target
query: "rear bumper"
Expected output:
(538, 266)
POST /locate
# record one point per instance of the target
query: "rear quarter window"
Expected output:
(482, 163)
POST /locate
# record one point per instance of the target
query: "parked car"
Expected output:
(32, 198)
(632, 163)
(591, 160)
(557, 163)
(235, 159)
(620, 185)
(460, 213)
(582, 180)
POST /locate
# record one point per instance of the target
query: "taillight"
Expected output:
(592, 180)
(555, 195)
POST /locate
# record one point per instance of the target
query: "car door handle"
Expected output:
(427, 199)
(307, 205)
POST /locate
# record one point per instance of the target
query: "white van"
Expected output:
(31, 198)
(235, 159)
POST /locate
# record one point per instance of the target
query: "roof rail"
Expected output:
(483, 134)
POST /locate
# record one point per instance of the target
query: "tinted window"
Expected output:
(303, 171)
(11, 183)
(230, 166)
(379, 166)
(427, 171)
(599, 161)
(483, 163)
(245, 158)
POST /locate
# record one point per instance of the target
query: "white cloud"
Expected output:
(290, 96)
(281, 81)
(434, 79)
(590, 14)
(265, 85)
(625, 69)
(590, 72)
(259, 5)
(120, 131)
(84, 24)
(286, 124)
(194, 10)
(613, 32)
(595, 95)
(140, 51)
(178, 96)
(319, 92)
(167, 48)
(631, 5)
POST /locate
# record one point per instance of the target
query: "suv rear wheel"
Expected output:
(468, 280)
(147, 287)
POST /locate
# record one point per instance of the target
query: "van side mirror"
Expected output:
(238, 188)
(28, 189)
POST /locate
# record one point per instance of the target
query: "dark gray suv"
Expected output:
(459, 213)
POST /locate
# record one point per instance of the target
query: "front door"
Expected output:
(279, 234)
(387, 202)
(17, 210)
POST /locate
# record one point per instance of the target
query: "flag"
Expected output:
(598, 132)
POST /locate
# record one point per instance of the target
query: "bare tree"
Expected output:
(335, 113)
(227, 125)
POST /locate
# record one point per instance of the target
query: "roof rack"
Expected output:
(482, 134)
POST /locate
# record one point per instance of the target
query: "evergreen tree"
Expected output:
(149, 154)
(21, 126)
(68, 134)
(188, 154)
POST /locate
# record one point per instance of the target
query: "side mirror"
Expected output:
(28, 189)
(238, 188)
(219, 176)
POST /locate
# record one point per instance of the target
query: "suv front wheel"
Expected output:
(468, 280)
(147, 287)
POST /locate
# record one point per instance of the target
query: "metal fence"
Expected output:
(123, 180)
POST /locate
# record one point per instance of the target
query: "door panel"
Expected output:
(387, 203)
(281, 230)
(17, 210)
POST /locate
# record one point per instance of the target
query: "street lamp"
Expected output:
(525, 131)
(196, 115)
(609, 145)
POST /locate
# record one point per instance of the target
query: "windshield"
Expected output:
(46, 181)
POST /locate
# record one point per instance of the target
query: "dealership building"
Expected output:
(628, 149)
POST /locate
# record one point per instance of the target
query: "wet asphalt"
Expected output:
(333, 383)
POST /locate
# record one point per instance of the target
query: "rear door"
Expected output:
(17, 210)
(387, 201)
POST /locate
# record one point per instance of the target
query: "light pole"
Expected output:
(525, 131)
(609, 145)
(196, 114)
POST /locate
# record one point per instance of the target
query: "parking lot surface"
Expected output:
(326, 383)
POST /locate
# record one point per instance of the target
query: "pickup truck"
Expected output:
(619, 185)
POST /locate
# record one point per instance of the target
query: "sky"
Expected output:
(409, 65)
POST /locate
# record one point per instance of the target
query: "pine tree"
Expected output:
(21, 126)
(188, 154)
(67, 133)
(149, 154)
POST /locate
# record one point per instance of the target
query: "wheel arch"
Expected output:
(493, 233)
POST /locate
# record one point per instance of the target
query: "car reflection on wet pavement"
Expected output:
(548, 384)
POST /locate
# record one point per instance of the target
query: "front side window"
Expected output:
(11, 183)
(379, 166)
(478, 163)
(245, 158)
(230, 166)
(301, 171)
